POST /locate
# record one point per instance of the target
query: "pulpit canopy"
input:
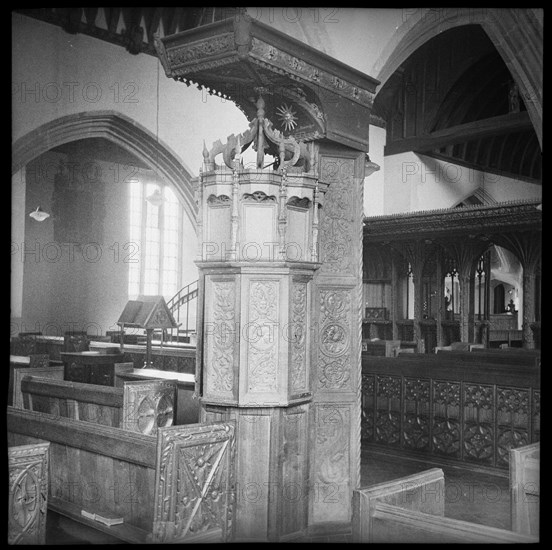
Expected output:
(147, 312)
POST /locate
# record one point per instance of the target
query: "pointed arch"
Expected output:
(119, 129)
(517, 34)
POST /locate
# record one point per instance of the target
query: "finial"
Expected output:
(260, 107)
(205, 153)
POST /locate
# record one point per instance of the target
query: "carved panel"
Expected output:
(388, 410)
(28, 493)
(194, 486)
(148, 406)
(512, 421)
(39, 360)
(367, 411)
(331, 455)
(416, 413)
(536, 415)
(478, 423)
(219, 340)
(196, 51)
(446, 418)
(299, 374)
(338, 229)
(334, 362)
(262, 335)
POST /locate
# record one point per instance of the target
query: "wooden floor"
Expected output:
(470, 496)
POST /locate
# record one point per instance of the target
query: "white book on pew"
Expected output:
(106, 521)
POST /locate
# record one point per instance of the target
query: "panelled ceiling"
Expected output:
(455, 99)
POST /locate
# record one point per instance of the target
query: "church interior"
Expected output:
(275, 275)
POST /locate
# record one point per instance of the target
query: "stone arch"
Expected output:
(119, 129)
(517, 34)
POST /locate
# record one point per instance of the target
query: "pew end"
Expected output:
(28, 493)
(525, 489)
(423, 492)
(411, 510)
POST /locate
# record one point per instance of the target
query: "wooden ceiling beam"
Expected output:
(503, 124)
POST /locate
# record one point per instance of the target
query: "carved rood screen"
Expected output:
(470, 420)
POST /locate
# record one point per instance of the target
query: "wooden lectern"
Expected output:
(147, 312)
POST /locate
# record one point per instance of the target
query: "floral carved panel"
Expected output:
(334, 360)
(219, 340)
(262, 336)
(299, 328)
(338, 230)
(28, 493)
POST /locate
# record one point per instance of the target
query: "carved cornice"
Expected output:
(471, 221)
(236, 57)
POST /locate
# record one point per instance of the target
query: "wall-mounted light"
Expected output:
(156, 198)
(39, 215)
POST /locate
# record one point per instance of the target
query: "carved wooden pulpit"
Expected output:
(150, 313)
(280, 271)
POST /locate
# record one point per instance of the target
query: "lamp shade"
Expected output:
(39, 215)
(156, 198)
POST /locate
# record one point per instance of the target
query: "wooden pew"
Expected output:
(140, 406)
(175, 487)
(412, 510)
(28, 493)
(525, 488)
(18, 371)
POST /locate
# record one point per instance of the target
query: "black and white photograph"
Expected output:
(275, 275)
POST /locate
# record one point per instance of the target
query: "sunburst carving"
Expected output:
(287, 116)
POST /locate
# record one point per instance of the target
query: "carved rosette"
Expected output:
(334, 362)
(28, 493)
(262, 335)
(220, 341)
(446, 437)
(298, 338)
(195, 487)
(337, 224)
(148, 406)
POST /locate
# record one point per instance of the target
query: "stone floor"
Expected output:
(470, 496)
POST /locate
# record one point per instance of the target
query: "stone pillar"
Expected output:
(334, 435)
(258, 260)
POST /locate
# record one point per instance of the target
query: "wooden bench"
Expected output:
(18, 371)
(497, 357)
(412, 510)
(28, 493)
(175, 487)
(525, 488)
(140, 406)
